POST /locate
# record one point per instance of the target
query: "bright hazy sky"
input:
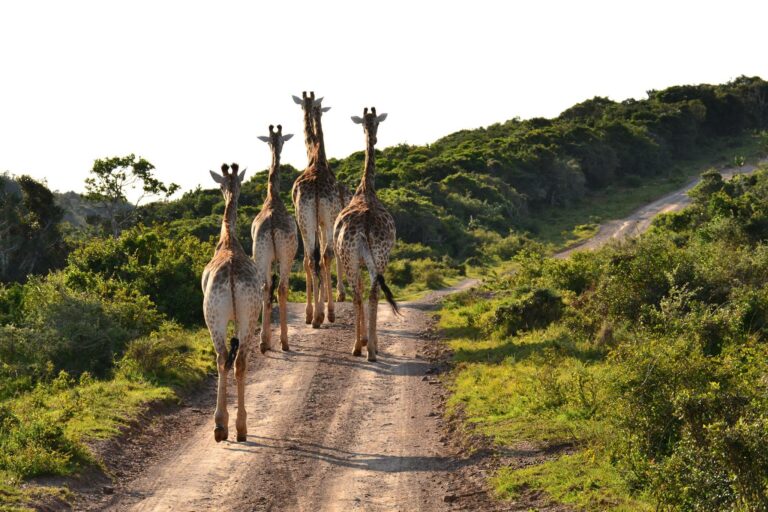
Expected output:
(189, 85)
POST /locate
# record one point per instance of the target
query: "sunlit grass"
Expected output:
(541, 388)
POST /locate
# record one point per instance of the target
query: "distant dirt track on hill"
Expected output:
(640, 220)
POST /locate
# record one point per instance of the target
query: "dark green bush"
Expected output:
(90, 328)
(532, 310)
(153, 262)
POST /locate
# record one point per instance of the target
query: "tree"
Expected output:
(113, 178)
(30, 236)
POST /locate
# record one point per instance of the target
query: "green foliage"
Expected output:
(653, 361)
(84, 329)
(113, 178)
(170, 356)
(31, 240)
(154, 261)
(535, 309)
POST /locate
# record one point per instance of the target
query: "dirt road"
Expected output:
(326, 431)
(640, 220)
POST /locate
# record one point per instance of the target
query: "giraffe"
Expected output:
(274, 238)
(232, 289)
(316, 200)
(365, 233)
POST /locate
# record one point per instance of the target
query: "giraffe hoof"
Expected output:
(357, 352)
(220, 433)
(285, 347)
(340, 297)
(331, 316)
(309, 319)
(263, 347)
(372, 357)
(241, 438)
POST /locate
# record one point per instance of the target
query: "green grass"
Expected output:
(568, 226)
(585, 480)
(540, 388)
(46, 431)
(14, 498)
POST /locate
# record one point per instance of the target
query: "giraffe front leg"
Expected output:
(241, 363)
(221, 416)
(266, 318)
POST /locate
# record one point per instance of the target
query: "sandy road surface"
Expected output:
(640, 220)
(326, 431)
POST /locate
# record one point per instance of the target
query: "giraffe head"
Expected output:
(275, 139)
(229, 181)
(310, 104)
(370, 122)
(308, 101)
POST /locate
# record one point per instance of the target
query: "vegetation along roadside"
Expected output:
(100, 313)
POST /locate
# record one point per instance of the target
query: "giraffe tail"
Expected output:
(388, 294)
(234, 344)
(368, 259)
(316, 256)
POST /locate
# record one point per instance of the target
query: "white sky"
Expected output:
(189, 85)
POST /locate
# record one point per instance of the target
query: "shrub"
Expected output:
(90, 328)
(532, 310)
(34, 446)
(166, 356)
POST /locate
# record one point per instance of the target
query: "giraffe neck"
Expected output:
(369, 169)
(273, 185)
(309, 136)
(228, 236)
(320, 140)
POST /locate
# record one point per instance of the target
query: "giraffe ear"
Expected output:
(317, 102)
(262, 138)
(218, 179)
(325, 109)
(357, 120)
(287, 136)
(241, 175)
(296, 100)
(381, 117)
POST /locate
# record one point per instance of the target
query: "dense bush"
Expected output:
(153, 262)
(535, 309)
(84, 329)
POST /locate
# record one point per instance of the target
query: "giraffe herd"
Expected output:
(357, 228)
